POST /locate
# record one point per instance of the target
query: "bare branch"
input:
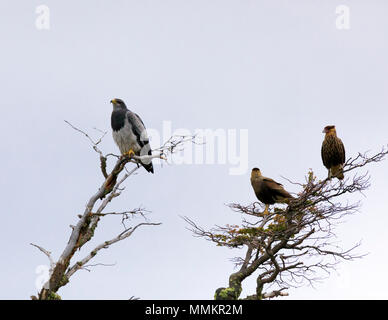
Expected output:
(275, 293)
(48, 254)
(292, 245)
(83, 231)
(105, 245)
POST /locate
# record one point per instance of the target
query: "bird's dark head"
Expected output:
(329, 129)
(118, 104)
(255, 172)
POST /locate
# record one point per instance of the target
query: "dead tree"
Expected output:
(61, 270)
(291, 246)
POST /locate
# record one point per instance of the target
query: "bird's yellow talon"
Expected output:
(130, 153)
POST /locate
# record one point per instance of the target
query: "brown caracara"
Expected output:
(267, 190)
(333, 153)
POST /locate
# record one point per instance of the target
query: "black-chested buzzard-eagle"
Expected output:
(129, 133)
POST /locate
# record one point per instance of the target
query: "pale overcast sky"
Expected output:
(280, 69)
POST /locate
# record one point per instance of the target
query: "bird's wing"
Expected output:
(271, 182)
(276, 188)
(342, 150)
(140, 132)
(138, 128)
(326, 153)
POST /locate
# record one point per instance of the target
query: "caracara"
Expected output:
(333, 153)
(267, 190)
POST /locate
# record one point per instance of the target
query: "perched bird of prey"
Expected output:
(333, 153)
(129, 133)
(267, 190)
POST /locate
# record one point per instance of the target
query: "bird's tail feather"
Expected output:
(147, 164)
(149, 167)
(338, 171)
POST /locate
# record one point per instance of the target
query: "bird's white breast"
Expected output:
(126, 139)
